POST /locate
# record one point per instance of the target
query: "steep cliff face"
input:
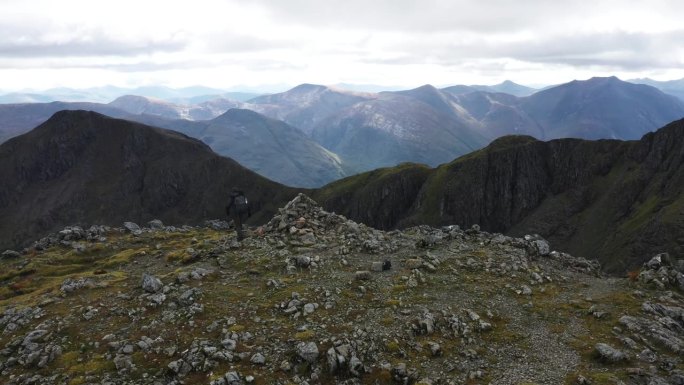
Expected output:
(381, 196)
(618, 201)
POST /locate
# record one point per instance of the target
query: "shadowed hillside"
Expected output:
(84, 168)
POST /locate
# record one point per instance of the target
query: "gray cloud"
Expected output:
(33, 42)
(620, 50)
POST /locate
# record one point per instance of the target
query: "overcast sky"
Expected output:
(279, 43)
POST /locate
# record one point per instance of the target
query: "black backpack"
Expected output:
(241, 204)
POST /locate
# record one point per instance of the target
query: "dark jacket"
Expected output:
(231, 204)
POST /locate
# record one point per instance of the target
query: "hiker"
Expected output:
(237, 209)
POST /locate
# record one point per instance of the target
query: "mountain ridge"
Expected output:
(82, 167)
(612, 198)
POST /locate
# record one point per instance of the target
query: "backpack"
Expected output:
(241, 204)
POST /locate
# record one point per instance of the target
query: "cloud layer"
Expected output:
(44, 43)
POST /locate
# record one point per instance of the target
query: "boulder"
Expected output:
(156, 224)
(151, 284)
(132, 228)
(609, 354)
(9, 254)
(307, 351)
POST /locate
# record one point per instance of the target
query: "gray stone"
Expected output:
(180, 367)
(157, 298)
(376, 266)
(309, 308)
(362, 275)
(151, 284)
(308, 351)
(132, 228)
(413, 263)
(69, 284)
(229, 344)
(331, 357)
(355, 366)
(10, 254)
(662, 259)
(607, 353)
(232, 378)
(156, 224)
(123, 362)
(258, 359)
(542, 247)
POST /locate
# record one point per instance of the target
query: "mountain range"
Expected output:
(343, 132)
(186, 95)
(272, 148)
(672, 87)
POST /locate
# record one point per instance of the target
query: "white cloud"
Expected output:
(45, 43)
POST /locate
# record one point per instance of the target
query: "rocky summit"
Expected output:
(314, 298)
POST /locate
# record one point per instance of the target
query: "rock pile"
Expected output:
(302, 222)
(662, 272)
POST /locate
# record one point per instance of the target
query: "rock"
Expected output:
(123, 362)
(609, 354)
(309, 308)
(151, 284)
(157, 298)
(526, 290)
(542, 247)
(362, 275)
(232, 378)
(258, 359)
(308, 351)
(302, 261)
(155, 224)
(662, 259)
(229, 344)
(356, 366)
(132, 228)
(285, 366)
(331, 357)
(376, 266)
(413, 263)
(9, 254)
(69, 285)
(435, 349)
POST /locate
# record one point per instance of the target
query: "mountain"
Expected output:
(601, 108)
(507, 87)
(672, 87)
(140, 105)
(272, 148)
(620, 202)
(499, 114)
(85, 168)
(306, 105)
(16, 119)
(399, 127)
